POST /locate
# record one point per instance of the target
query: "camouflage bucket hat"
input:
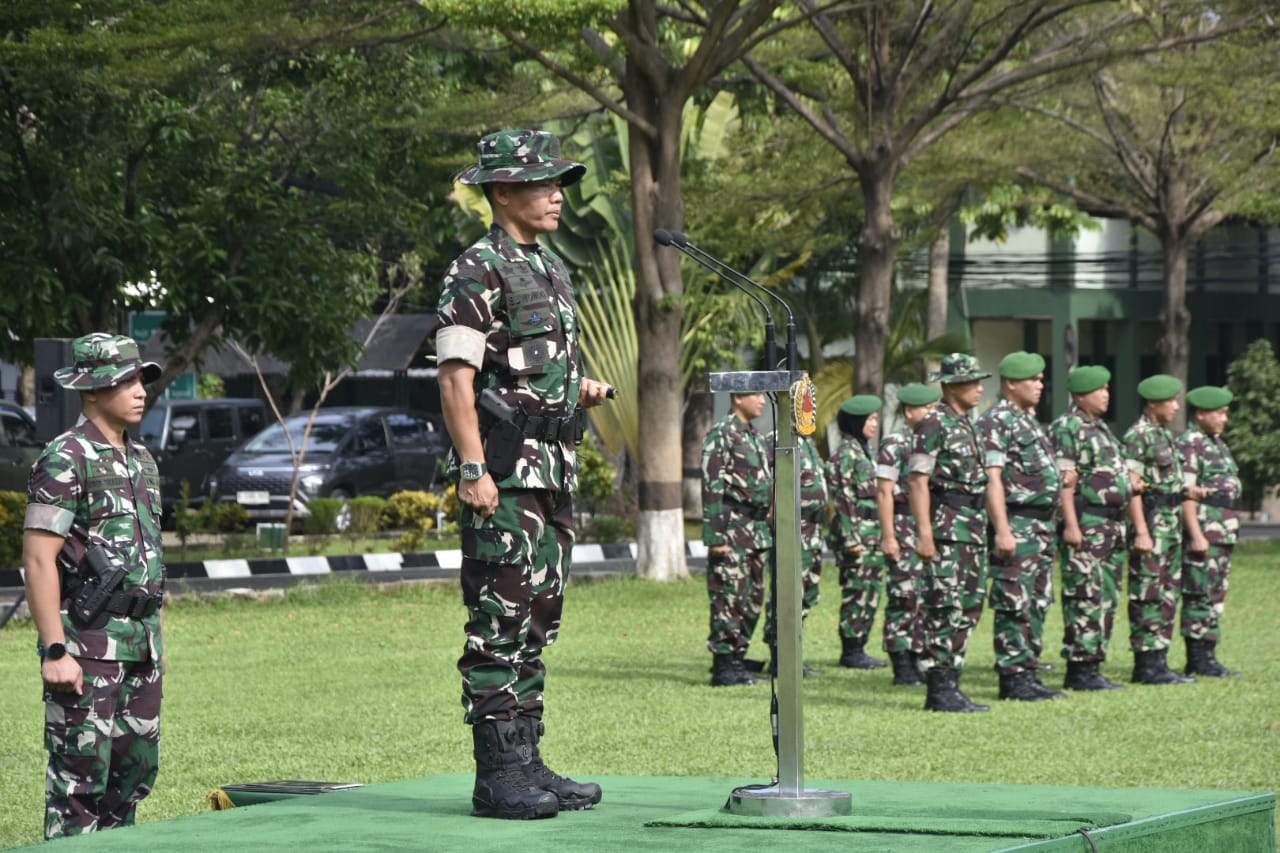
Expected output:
(958, 367)
(104, 361)
(521, 156)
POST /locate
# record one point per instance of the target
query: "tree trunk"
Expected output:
(935, 322)
(877, 248)
(657, 202)
(1174, 343)
(699, 410)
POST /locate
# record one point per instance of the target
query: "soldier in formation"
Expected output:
(95, 583)
(1024, 488)
(1212, 526)
(855, 527)
(1155, 559)
(902, 637)
(513, 394)
(947, 482)
(737, 493)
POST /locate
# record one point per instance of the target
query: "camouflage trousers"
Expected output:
(1021, 595)
(812, 545)
(1205, 579)
(860, 578)
(902, 592)
(1091, 580)
(515, 565)
(1155, 584)
(735, 586)
(952, 587)
(104, 747)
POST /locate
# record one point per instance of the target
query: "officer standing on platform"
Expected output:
(1155, 561)
(513, 393)
(737, 492)
(1093, 545)
(855, 527)
(947, 485)
(1213, 524)
(898, 542)
(94, 579)
(1024, 488)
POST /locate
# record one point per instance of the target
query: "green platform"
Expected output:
(676, 813)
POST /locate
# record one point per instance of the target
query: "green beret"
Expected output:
(1158, 388)
(1021, 365)
(1209, 397)
(1088, 378)
(862, 404)
(916, 394)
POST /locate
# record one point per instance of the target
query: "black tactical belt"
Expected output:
(1042, 513)
(811, 517)
(1222, 503)
(870, 514)
(959, 500)
(901, 508)
(1161, 499)
(1100, 510)
(134, 606)
(568, 429)
(755, 513)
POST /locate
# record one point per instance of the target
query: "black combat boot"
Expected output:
(1084, 675)
(727, 671)
(945, 695)
(502, 788)
(1201, 660)
(1021, 686)
(1153, 668)
(904, 668)
(853, 656)
(970, 705)
(571, 795)
(1046, 690)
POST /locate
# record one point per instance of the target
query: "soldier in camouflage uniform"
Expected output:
(1213, 524)
(509, 325)
(737, 492)
(1023, 491)
(855, 527)
(1093, 544)
(947, 483)
(102, 672)
(903, 567)
(1155, 560)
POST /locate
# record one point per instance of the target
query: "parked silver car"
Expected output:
(352, 450)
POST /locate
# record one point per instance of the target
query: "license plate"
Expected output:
(253, 498)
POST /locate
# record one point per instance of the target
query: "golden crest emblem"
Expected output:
(804, 405)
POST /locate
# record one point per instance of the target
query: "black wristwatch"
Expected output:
(472, 470)
(54, 651)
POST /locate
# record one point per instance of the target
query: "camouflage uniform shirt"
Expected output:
(508, 310)
(1089, 446)
(1150, 451)
(88, 491)
(945, 447)
(1207, 459)
(737, 486)
(1013, 441)
(853, 487)
(891, 463)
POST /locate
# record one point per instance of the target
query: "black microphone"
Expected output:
(667, 238)
(684, 243)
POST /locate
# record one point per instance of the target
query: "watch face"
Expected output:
(56, 651)
(472, 470)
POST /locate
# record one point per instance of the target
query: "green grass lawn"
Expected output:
(347, 682)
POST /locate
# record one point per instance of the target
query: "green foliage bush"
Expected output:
(597, 478)
(605, 529)
(224, 517)
(366, 513)
(1253, 432)
(13, 509)
(322, 516)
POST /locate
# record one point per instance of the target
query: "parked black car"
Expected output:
(352, 450)
(191, 438)
(19, 447)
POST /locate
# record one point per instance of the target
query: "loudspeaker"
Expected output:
(56, 407)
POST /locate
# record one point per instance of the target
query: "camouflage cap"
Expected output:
(1021, 365)
(861, 404)
(1087, 378)
(104, 361)
(917, 394)
(521, 156)
(958, 367)
(1158, 388)
(1209, 397)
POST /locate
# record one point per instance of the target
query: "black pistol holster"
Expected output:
(504, 438)
(88, 608)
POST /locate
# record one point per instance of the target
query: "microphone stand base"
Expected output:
(773, 802)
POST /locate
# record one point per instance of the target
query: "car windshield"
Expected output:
(152, 424)
(325, 435)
